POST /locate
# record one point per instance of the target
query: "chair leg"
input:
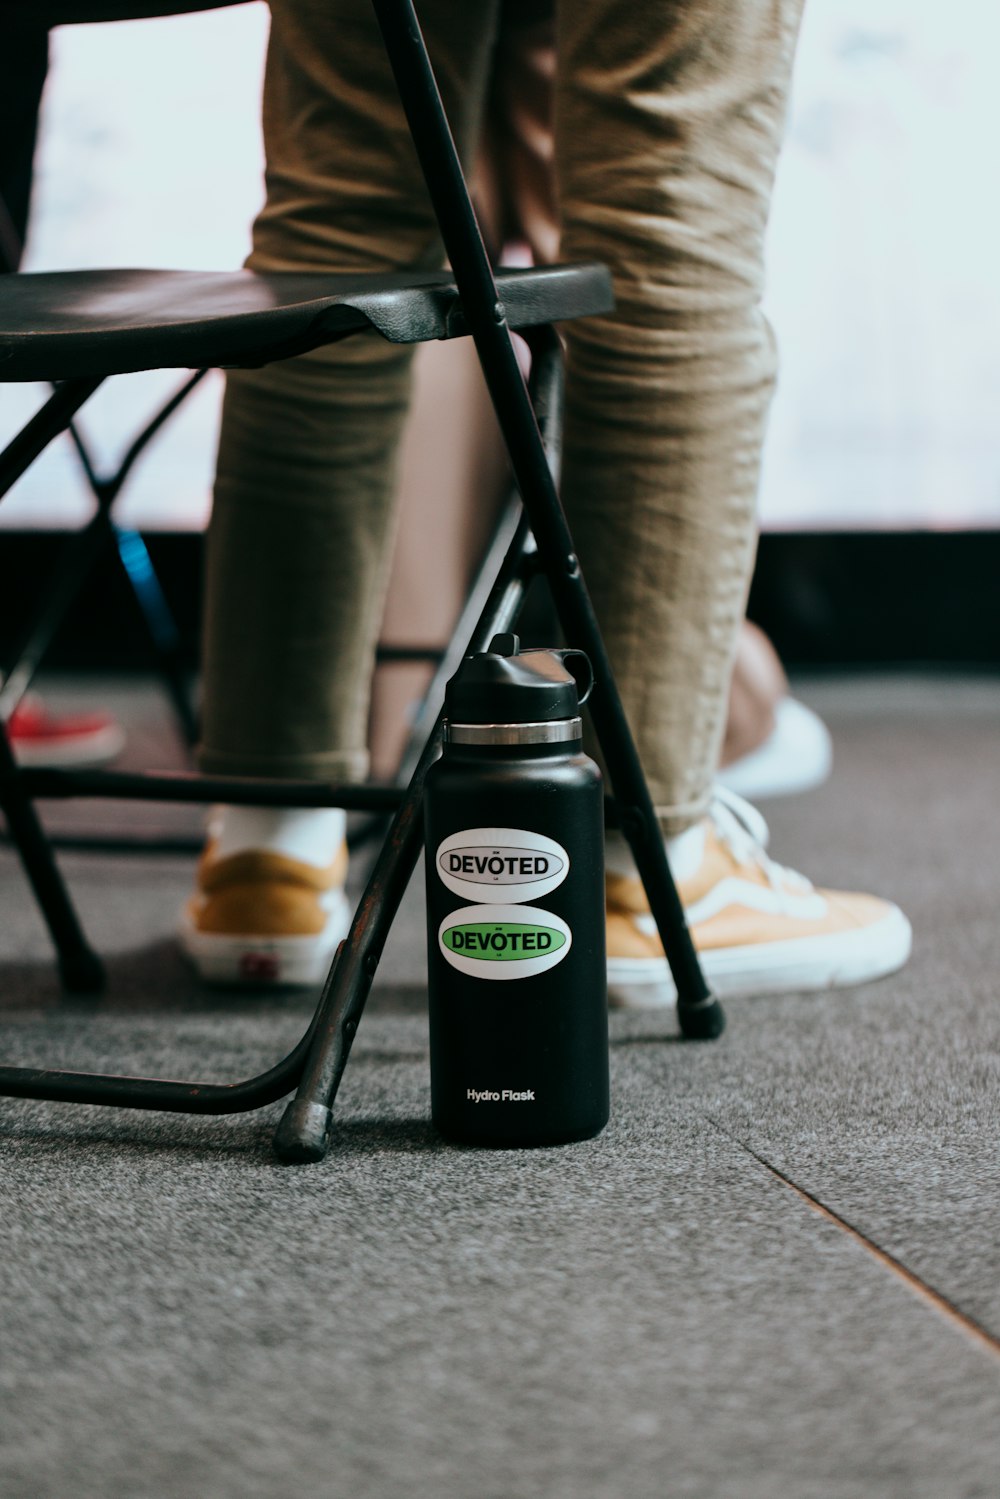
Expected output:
(545, 387)
(164, 637)
(699, 1012)
(303, 1132)
(137, 565)
(493, 606)
(79, 966)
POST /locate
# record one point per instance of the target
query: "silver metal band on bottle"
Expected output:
(555, 731)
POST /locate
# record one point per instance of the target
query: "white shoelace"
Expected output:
(744, 831)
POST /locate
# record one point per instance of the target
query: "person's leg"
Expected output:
(773, 744)
(669, 120)
(299, 541)
(668, 124)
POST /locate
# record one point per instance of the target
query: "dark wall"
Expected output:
(875, 598)
(827, 600)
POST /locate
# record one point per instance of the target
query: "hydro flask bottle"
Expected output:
(514, 830)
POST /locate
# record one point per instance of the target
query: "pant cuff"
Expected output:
(677, 817)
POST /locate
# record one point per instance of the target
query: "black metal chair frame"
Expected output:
(487, 305)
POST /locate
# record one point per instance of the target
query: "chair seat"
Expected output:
(65, 325)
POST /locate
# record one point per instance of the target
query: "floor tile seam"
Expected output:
(915, 1284)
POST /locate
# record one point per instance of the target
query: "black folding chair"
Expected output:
(77, 328)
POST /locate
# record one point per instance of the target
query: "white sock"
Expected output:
(310, 834)
(684, 853)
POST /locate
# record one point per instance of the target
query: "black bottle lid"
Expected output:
(506, 685)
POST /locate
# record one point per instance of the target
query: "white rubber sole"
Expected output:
(253, 962)
(837, 961)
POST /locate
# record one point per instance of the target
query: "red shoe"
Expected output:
(41, 738)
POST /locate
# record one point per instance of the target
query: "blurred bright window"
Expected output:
(882, 285)
(882, 277)
(150, 155)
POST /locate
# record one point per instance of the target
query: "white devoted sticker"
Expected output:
(503, 942)
(501, 864)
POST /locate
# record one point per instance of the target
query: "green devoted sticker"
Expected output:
(503, 942)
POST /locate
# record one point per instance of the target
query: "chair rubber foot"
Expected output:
(304, 1132)
(82, 972)
(701, 1019)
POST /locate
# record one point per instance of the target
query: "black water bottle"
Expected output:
(515, 905)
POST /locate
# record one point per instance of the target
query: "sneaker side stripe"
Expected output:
(810, 906)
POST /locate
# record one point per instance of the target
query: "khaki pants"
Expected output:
(668, 123)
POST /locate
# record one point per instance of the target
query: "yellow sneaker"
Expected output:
(263, 916)
(759, 928)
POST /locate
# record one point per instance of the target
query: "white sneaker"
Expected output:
(758, 928)
(796, 756)
(40, 737)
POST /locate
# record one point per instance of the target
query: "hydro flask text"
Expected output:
(503, 1095)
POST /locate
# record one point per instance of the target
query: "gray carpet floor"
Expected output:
(775, 1274)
